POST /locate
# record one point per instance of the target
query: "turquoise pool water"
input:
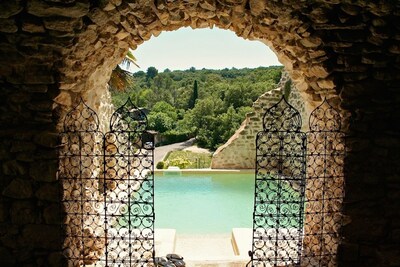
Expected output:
(204, 204)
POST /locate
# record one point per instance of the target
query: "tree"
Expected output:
(195, 95)
(215, 111)
(160, 122)
(162, 117)
(151, 72)
(234, 96)
(164, 107)
(204, 110)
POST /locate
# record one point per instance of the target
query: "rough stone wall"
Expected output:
(240, 150)
(54, 52)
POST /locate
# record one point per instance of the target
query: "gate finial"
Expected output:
(81, 119)
(128, 117)
(325, 118)
(282, 117)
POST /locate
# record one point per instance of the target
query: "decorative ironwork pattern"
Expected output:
(325, 186)
(129, 187)
(298, 188)
(80, 166)
(279, 189)
(108, 189)
(282, 117)
(81, 119)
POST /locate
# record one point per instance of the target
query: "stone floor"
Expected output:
(209, 250)
(165, 241)
(213, 250)
(204, 247)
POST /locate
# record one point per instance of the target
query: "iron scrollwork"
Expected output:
(108, 189)
(80, 166)
(298, 188)
(279, 188)
(325, 186)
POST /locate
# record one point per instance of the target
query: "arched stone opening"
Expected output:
(115, 28)
(302, 55)
(53, 52)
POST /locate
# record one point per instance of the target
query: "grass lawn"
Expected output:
(188, 159)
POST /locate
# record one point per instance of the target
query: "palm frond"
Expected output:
(130, 59)
(120, 79)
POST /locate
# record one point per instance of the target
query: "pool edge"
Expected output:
(158, 171)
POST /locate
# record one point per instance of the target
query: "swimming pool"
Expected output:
(206, 203)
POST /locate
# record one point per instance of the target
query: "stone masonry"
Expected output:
(240, 150)
(52, 53)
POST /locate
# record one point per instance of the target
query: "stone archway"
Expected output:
(116, 26)
(286, 36)
(54, 52)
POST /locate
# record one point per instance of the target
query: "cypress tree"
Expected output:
(195, 95)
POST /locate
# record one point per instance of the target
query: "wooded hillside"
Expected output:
(208, 104)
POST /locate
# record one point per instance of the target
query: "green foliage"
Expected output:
(160, 122)
(151, 73)
(162, 117)
(166, 108)
(287, 89)
(195, 95)
(180, 162)
(213, 115)
(175, 136)
(161, 165)
(197, 160)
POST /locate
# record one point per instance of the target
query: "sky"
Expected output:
(202, 48)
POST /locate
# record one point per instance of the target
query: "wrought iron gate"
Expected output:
(298, 188)
(108, 191)
(108, 188)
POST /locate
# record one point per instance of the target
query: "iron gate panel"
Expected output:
(279, 188)
(79, 165)
(299, 188)
(108, 189)
(129, 187)
(325, 186)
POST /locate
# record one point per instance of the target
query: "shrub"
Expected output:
(174, 136)
(198, 160)
(160, 165)
(180, 162)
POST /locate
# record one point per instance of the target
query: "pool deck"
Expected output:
(224, 250)
(214, 250)
(165, 241)
(242, 241)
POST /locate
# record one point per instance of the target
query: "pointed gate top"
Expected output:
(128, 118)
(282, 117)
(325, 118)
(81, 119)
